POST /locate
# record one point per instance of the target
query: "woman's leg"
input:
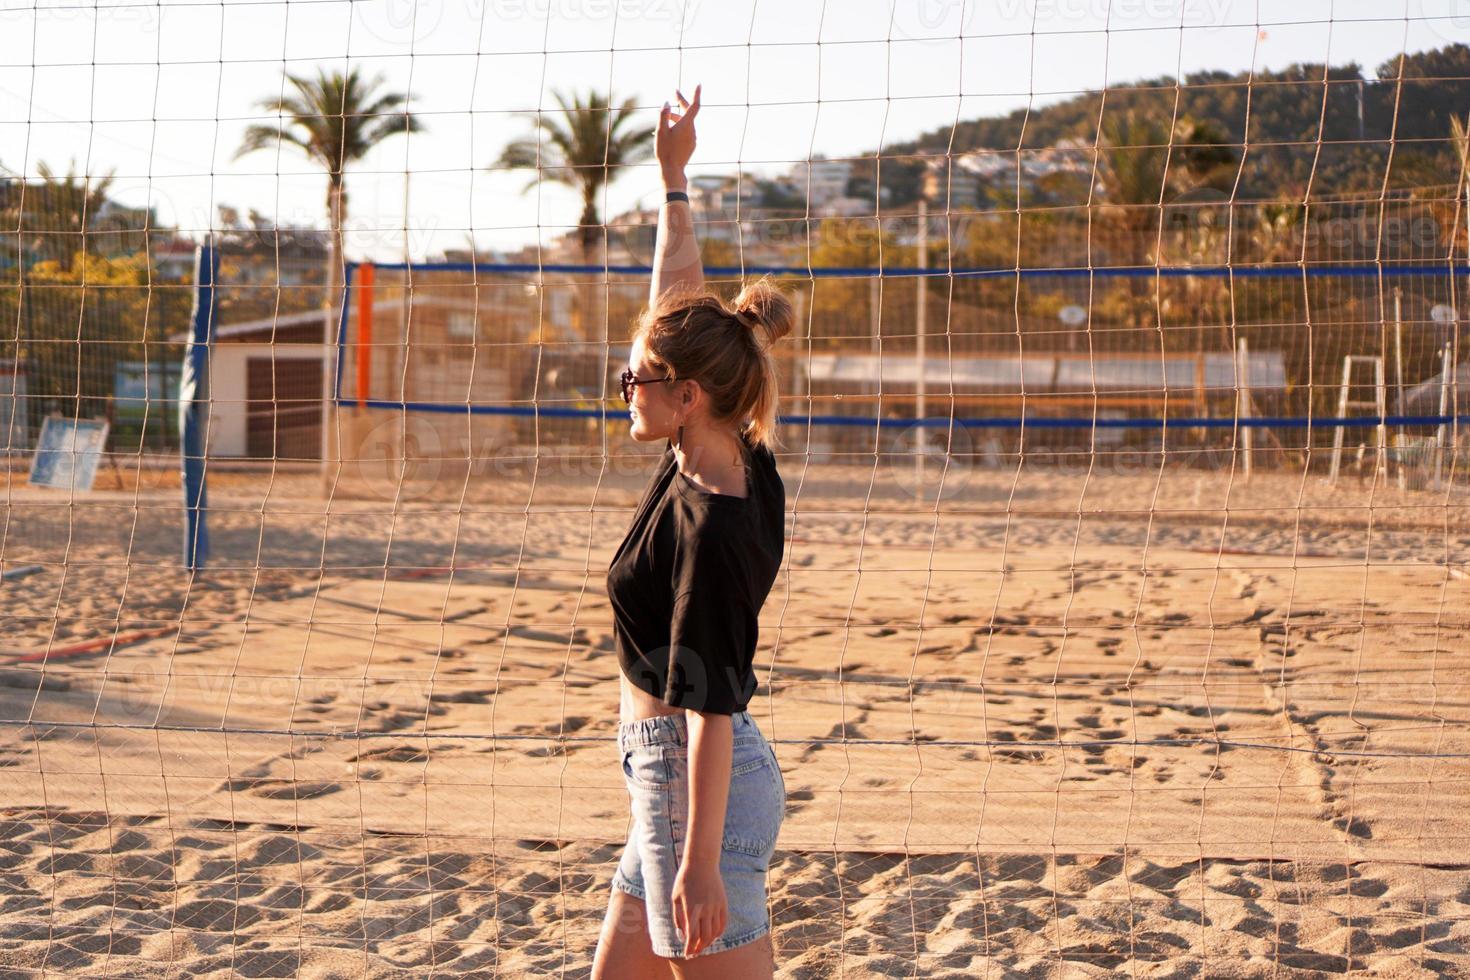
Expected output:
(624, 951)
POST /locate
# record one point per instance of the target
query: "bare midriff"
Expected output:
(636, 703)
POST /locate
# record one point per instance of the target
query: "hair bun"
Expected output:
(763, 307)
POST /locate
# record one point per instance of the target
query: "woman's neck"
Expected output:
(712, 457)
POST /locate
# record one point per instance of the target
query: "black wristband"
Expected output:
(672, 196)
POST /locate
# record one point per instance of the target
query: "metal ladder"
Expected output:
(1379, 404)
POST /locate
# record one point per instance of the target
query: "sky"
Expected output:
(159, 94)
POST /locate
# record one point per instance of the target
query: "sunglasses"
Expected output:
(627, 383)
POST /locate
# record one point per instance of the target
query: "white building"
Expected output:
(986, 163)
(846, 207)
(821, 180)
(1067, 156)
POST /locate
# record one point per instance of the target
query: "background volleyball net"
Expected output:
(478, 363)
(1122, 622)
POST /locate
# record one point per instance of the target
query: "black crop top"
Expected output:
(688, 582)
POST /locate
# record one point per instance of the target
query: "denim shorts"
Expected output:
(655, 758)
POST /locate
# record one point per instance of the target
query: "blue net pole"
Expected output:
(194, 406)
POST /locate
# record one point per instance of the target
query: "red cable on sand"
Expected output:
(89, 646)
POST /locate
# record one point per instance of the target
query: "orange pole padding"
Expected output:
(364, 332)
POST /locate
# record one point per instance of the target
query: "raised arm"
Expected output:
(676, 252)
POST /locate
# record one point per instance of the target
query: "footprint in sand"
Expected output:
(1017, 867)
(216, 915)
(392, 753)
(463, 697)
(1163, 878)
(1354, 827)
(283, 789)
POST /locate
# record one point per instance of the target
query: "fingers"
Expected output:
(667, 116)
(691, 936)
(681, 922)
(707, 932)
(700, 936)
(700, 929)
(689, 109)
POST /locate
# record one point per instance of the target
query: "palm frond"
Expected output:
(583, 146)
(262, 137)
(385, 126)
(333, 118)
(526, 153)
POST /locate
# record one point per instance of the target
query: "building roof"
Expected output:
(1056, 372)
(268, 326)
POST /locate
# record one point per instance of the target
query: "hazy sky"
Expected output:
(160, 93)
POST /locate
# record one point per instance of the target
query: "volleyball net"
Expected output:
(1121, 625)
(482, 363)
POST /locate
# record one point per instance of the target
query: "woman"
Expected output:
(686, 586)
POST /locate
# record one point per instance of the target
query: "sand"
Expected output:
(1053, 722)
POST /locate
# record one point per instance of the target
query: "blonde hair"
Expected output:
(692, 335)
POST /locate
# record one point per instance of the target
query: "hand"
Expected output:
(673, 141)
(700, 909)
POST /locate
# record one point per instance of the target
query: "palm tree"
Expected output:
(335, 120)
(53, 213)
(1142, 165)
(1440, 181)
(1274, 234)
(583, 148)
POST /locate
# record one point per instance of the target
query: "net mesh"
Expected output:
(1121, 622)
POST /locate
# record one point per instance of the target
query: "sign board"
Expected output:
(67, 453)
(1072, 316)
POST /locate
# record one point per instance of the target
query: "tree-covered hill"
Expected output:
(1295, 132)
